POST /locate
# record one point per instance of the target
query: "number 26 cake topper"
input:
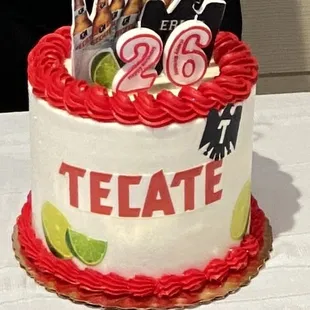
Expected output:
(178, 40)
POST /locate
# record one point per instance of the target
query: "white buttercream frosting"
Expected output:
(150, 246)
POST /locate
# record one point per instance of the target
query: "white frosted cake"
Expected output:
(141, 200)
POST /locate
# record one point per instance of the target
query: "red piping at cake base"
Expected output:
(191, 287)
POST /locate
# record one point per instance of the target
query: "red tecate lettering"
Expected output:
(212, 179)
(188, 176)
(97, 192)
(74, 173)
(124, 182)
(158, 196)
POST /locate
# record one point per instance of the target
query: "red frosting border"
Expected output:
(140, 286)
(51, 81)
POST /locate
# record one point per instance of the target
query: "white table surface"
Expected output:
(281, 180)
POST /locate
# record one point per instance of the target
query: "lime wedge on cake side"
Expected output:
(89, 251)
(241, 212)
(55, 226)
(103, 69)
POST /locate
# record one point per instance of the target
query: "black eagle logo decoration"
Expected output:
(221, 131)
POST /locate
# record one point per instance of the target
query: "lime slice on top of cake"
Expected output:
(241, 213)
(103, 69)
(89, 251)
(55, 226)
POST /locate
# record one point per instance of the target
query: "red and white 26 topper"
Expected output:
(184, 61)
(140, 49)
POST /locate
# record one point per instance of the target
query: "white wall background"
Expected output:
(278, 32)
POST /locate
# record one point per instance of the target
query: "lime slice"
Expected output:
(88, 251)
(103, 69)
(241, 213)
(55, 226)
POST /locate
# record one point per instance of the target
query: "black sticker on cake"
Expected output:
(163, 20)
(220, 135)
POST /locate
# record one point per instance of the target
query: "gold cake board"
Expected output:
(210, 293)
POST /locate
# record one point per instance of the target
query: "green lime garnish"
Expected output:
(103, 69)
(89, 251)
(241, 213)
(55, 226)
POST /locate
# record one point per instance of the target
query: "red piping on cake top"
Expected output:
(114, 285)
(52, 82)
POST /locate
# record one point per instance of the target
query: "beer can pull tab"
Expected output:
(200, 5)
(197, 6)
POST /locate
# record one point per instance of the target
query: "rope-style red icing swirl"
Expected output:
(51, 81)
(114, 285)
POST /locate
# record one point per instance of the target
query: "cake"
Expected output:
(143, 200)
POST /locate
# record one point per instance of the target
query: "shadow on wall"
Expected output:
(275, 192)
(278, 33)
